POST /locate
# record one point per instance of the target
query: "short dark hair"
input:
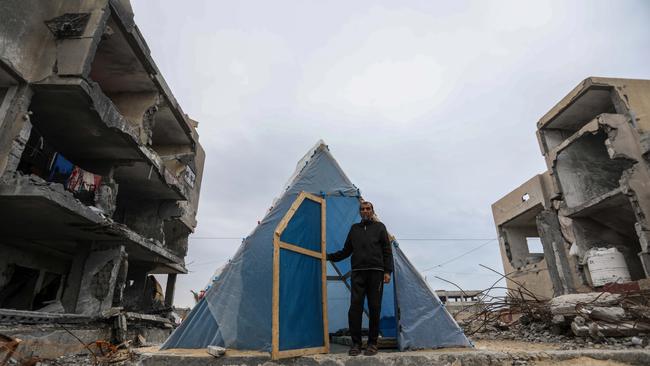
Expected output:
(367, 203)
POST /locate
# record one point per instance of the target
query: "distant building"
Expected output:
(461, 304)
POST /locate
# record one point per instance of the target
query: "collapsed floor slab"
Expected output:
(55, 214)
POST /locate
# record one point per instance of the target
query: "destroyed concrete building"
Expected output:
(100, 168)
(591, 208)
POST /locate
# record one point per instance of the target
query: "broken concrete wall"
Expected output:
(34, 48)
(28, 47)
(515, 219)
(49, 341)
(556, 252)
(14, 126)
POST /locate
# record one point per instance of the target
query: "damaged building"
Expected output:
(591, 209)
(100, 168)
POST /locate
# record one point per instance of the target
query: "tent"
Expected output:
(278, 293)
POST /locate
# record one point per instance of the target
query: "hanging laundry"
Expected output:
(83, 185)
(60, 169)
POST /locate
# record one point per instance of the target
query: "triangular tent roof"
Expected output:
(236, 311)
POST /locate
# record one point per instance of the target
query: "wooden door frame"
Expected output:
(277, 245)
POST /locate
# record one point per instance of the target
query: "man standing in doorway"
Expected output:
(372, 264)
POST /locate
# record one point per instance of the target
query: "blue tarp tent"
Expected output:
(269, 298)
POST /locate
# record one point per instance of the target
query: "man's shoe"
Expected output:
(355, 350)
(371, 350)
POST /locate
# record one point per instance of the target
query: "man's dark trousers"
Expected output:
(370, 284)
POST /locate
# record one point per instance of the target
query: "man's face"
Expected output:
(366, 211)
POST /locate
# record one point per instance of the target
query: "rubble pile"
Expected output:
(94, 353)
(594, 320)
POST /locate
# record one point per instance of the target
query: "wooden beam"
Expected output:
(275, 341)
(290, 212)
(313, 197)
(301, 250)
(323, 231)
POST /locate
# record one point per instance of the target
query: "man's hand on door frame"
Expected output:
(386, 277)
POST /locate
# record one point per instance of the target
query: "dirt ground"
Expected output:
(580, 361)
(514, 346)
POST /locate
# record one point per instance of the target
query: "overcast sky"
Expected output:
(429, 106)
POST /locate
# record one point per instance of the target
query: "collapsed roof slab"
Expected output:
(594, 96)
(123, 64)
(45, 212)
(86, 127)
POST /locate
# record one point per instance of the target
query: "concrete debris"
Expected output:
(216, 351)
(53, 306)
(566, 304)
(8, 346)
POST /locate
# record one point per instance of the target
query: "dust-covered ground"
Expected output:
(485, 352)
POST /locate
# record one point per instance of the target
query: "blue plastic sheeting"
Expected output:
(338, 303)
(205, 328)
(324, 175)
(237, 309)
(240, 300)
(301, 307)
(304, 228)
(342, 212)
(387, 320)
(424, 321)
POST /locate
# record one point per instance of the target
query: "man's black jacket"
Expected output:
(369, 245)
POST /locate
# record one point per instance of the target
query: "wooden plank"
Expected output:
(313, 197)
(301, 352)
(290, 212)
(301, 250)
(323, 218)
(275, 341)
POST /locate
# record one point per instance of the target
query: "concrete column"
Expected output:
(169, 289)
(645, 261)
(555, 253)
(73, 281)
(99, 276)
(134, 292)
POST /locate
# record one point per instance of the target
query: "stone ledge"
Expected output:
(469, 357)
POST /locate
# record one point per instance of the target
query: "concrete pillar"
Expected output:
(134, 292)
(645, 261)
(169, 289)
(555, 252)
(73, 281)
(99, 276)
(120, 282)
